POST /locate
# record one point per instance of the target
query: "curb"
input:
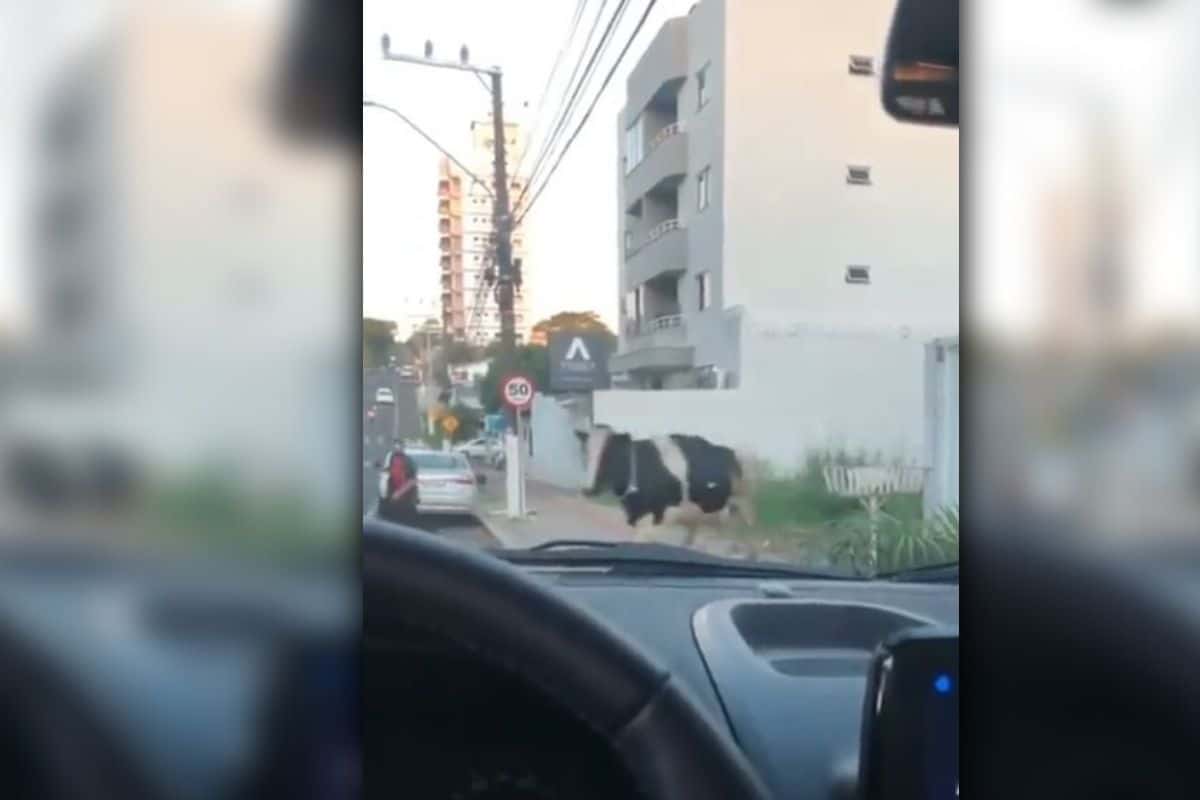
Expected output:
(496, 531)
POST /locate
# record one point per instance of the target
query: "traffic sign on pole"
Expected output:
(517, 390)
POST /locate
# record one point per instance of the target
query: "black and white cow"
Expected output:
(676, 479)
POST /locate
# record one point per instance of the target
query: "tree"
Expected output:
(459, 352)
(430, 330)
(469, 423)
(378, 341)
(577, 321)
(531, 359)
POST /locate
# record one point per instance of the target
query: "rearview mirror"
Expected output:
(920, 68)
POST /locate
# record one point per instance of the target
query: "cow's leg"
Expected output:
(743, 508)
(689, 534)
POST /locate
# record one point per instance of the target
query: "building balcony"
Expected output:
(665, 62)
(664, 165)
(659, 344)
(662, 252)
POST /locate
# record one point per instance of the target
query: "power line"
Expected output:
(588, 113)
(573, 89)
(428, 138)
(567, 108)
(572, 29)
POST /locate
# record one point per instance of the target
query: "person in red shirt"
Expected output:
(401, 500)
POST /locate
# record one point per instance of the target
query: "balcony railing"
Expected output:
(657, 232)
(665, 133)
(659, 324)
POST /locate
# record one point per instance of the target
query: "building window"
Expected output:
(862, 65)
(858, 175)
(858, 274)
(628, 241)
(702, 181)
(634, 142)
(702, 88)
(704, 290)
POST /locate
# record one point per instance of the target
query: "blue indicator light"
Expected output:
(942, 684)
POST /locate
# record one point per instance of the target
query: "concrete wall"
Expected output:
(706, 148)
(792, 224)
(804, 390)
(557, 456)
(941, 424)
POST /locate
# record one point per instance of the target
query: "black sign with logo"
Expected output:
(578, 362)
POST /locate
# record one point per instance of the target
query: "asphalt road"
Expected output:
(381, 422)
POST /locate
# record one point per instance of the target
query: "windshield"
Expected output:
(440, 461)
(692, 280)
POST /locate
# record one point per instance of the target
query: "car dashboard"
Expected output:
(215, 684)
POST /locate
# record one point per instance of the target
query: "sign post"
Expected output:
(516, 390)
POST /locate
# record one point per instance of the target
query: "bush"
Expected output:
(209, 510)
(803, 500)
(902, 543)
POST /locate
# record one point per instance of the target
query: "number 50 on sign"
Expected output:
(517, 391)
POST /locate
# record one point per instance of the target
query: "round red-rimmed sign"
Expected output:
(516, 390)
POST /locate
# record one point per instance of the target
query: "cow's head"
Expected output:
(606, 460)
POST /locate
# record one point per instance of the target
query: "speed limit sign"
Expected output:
(517, 391)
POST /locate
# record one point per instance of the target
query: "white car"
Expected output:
(481, 449)
(384, 395)
(408, 372)
(446, 482)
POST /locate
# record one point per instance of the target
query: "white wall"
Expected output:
(941, 431)
(557, 456)
(792, 224)
(803, 390)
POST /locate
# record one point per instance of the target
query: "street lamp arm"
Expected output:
(434, 62)
(430, 139)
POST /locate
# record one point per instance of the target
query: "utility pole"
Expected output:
(503, 214)
(505, 279)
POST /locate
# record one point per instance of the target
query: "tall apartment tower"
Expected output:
(466, 236)
(759, 176)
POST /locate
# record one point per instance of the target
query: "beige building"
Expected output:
(467, 244)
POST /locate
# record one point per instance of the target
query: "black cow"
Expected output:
(678, 479)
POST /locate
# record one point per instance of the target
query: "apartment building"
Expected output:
(759, 176)
(467, 240)
(160, 240)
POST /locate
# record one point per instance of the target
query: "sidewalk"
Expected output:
(555, 514)
(562, 514)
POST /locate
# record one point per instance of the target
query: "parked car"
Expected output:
(481, 449)
(408, 372)
(384, 395)
(446, 482)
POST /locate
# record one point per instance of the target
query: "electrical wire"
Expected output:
(428, 138)
(607, 79)
(567, 107)
(572, 29)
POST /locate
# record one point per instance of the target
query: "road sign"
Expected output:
(450, 424)
(578, 361)
(517, 390)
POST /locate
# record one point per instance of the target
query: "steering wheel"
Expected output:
(670, 746)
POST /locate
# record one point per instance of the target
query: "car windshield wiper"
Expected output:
(946, 572)
(637, 558)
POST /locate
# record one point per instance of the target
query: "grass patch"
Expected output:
(207, 511)
(803, 501)
(799, 519)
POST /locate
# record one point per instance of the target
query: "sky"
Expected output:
(572, 229)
